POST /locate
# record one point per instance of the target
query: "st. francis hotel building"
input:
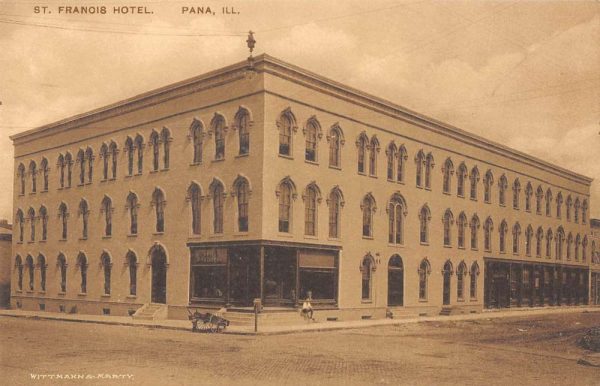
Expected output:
(269, 181)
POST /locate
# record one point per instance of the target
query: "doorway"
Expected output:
(447, 279)
(159, 275)
(395, 281)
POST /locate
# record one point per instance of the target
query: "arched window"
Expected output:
(335, 203)
(107, 210)
(559, 201)
(577, 206)
(448, 220)
(516, 233)
(311, 196)
(217, 195)
(462, 227)
(132, 264)
(570, 247)
(528, 240)
(488, 181)
(391, 157)
(63, 215)
(396, 212)
(20, 220)
(84, 213)
(165, 137)
(133, 205)
(584, 207)
(461, 272)
(503, 230)
(242, 192)
(488, 227)
(461, 178)
(428, 168)
(62, 267)
(43, 268)
(129, 149)
(560, 239)
(113, 149)
(420, 163)
(368, 208)
(474, 274)
(242, 122)
(19, 267)
(367, 268)
(539, 196)
(539, 236)
(474, 231)
(33, 174)
(89, 155)
(424, 271)
(584, 244)
(139, 145)
(447, 171)
(286, 124)
(31, 218)
(362, 144)
(474, 178)
(105, 161)
(195, 197)
(69, 165)
(400, 168)
(502, 185)
(312, 134)
(217, 126)
(335, 147)
(44, 219)
(155, 143)
(373, 150)
(30, 271)
(528, 194)
(82, 264)
(21, 176)
(548, 202)
(424, 219)
(106, 268)
(159, 202)
(516, 193)
(82, 168)
(284, 192)
(549, 238)
(395, 281)
(196, 136)
(61, 170)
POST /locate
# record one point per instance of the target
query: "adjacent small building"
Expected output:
(595, 268)
(5, 262)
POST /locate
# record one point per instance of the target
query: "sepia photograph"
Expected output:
(300, 192)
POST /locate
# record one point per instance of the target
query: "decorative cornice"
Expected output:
(268, 64)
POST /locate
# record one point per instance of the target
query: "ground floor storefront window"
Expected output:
(279, 275)
(524, 284)
(595, 293)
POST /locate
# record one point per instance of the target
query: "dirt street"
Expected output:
(537, 350)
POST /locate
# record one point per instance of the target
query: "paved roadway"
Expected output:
(520, 350)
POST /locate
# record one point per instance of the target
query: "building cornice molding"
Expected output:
(276, 67)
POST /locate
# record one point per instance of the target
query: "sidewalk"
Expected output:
(273, 330)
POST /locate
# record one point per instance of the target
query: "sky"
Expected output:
(523, 74)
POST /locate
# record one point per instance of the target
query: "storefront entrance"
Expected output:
(520, 284)
(280, 275)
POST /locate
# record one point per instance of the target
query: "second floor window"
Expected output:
(159, 203)
(368, 208)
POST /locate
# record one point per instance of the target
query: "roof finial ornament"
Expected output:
(251, 42)
(250, 72)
